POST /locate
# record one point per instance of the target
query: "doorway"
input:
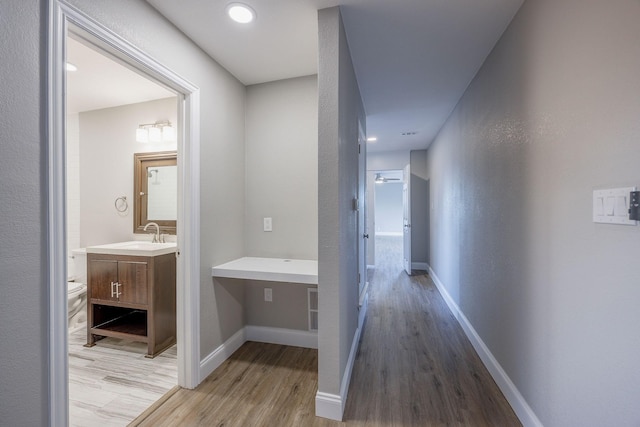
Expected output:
(388, 210)
(65, 19)
(106, 103)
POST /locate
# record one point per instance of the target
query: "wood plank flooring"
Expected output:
(113, 383)
(415, 367)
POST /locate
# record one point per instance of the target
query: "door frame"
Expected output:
(406, 219)
(362, 216)
(63, 18)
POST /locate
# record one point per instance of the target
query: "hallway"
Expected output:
(415, 367)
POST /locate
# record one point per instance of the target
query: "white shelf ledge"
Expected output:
(270, 269)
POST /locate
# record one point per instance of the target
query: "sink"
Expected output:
(133, 248)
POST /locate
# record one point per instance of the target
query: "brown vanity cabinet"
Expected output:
(132, 297)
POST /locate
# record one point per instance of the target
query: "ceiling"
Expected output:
(100, 82)
(413, 58)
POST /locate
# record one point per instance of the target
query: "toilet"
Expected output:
(77, 290)
(77, 305)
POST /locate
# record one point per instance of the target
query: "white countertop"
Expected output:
(270, 269)
(133, 248)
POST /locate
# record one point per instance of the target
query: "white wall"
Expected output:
(388, 160)
(552, 115)
(107, 145)
(388, 208)
(282, 168)
(281, 183)
(73, 183)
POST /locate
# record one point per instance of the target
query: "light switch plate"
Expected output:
(611, 206)
(267, 224)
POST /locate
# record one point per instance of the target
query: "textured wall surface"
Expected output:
(23, 168)
(282, 168)
(419, 190)
(107, 144)
(222, 110)
(552, 115)
(340, 110)
(281, 183)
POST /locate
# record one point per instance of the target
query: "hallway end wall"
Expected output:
(551, 116)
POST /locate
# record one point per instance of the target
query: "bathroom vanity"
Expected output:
(131, 294)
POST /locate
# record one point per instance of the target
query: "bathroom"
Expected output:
(107, 105)
(280, 182)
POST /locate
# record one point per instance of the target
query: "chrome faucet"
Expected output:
(156, 236)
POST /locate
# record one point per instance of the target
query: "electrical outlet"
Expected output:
(268, 294)
(268, 224)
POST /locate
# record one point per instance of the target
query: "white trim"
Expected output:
(389, 233)
(211, 362)
(419, 266)
(329, 405)
(520, 406)
(62, 15)
(292, 337)
(56, 249)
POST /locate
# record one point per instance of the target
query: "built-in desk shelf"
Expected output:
(270, 269)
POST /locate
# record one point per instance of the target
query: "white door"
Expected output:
(406, 219)
(362, 215)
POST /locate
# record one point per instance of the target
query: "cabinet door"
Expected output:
(101, 274)
(132, 276)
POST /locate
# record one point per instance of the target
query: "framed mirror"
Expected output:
(155, 190)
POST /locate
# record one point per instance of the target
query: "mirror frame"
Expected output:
(141, 162)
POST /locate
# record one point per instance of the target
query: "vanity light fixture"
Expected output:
(241, 13)
(372, 139)
(161, 131)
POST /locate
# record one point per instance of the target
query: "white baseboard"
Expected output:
(220, 354)
(292, 337)
(520, 406)
(332, 405)
(329, 406)
(419, 266)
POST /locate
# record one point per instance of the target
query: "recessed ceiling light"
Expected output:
(241, 13)
(71, 67)
(372, 139)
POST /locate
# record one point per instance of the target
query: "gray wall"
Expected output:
(281, 183)
(282, 168)
(23, 206)
(419, 190)
(107, 144)
(388, 207)
(222, 104)
(387, 160)
(340, 110)
(552, 115)
(23, 165)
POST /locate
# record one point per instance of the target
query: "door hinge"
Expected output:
(359, 146)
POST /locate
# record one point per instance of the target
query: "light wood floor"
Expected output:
(113, 383)
(415, 367)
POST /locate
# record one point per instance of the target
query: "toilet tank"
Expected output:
(79, 264)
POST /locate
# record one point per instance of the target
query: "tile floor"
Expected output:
(112, 383)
